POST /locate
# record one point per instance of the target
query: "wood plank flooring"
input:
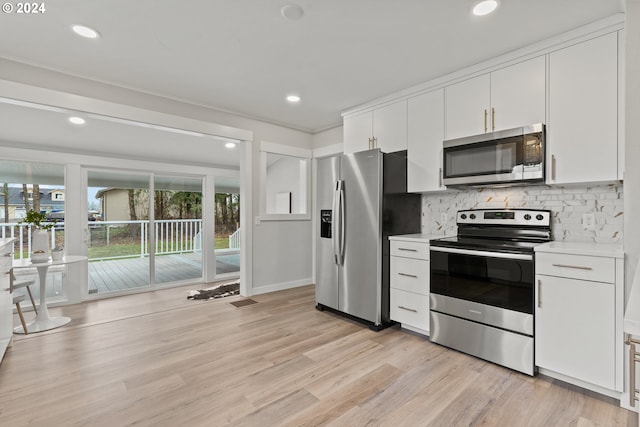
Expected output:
(158, 359)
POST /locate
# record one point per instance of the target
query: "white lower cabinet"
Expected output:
(409, 281)
(6, 301)
(577, 317)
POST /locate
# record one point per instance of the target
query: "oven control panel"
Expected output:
(524, 217)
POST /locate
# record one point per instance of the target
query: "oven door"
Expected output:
(496, 279)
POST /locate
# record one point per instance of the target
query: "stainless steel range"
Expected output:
(482, 285)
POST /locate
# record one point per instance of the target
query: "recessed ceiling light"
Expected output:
(84, 31)
(293, 98)
(292, 12)
(230, 145)
(77, 120)
(484, 7)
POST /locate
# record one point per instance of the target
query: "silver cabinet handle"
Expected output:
(408, 275)
(553, 167)
(577, 267)
(493, 119)
(440, 178)
(407, 250)
(485, 120)
(539, 294)
(408, 309)
(634, 357)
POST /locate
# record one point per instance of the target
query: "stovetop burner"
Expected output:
(505, 230)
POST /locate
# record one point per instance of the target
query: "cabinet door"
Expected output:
(467, 107)
(356, 132)
(390, 127)
(518, 95)
(425, 133)
(575, 329)
(582, 132)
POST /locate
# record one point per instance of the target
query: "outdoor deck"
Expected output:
(122, 274)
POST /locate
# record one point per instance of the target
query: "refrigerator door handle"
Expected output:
(342, 223)
(334, 222)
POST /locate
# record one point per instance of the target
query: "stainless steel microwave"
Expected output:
(509, 156)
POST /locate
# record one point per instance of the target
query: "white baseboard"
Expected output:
(280, 286)
(598, 389)
(414, 329)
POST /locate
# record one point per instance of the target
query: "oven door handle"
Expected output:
(506, 255)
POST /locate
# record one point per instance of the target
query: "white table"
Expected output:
(44, 322)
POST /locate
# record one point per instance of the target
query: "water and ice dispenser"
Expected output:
(325, 223)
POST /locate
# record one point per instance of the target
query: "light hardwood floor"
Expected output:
(158, 359)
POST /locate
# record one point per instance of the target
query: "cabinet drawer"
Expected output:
(417, 250)
(410, 309)
(597, 269)
(409, 275)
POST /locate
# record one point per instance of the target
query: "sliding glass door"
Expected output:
(118, 231)
(144, 230)
(177, 230)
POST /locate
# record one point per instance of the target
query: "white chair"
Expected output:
(25, 283)
(18, 298)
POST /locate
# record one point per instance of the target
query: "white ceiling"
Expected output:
(42, 127)
(243, 56)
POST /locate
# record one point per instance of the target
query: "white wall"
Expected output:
(267, 271)
(632, 140)
(328, 137)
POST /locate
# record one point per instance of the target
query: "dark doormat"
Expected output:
(215, 292)
(244, 302)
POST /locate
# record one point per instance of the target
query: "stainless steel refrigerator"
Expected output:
(361, 200)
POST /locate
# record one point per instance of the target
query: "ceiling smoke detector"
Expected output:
(292, 12)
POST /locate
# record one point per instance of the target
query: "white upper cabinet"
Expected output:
(518, 94)
(357, 132)
(390, 127)
(467, 107)
(507, 98)
(384, 128)
(582, 133)
(425, 133)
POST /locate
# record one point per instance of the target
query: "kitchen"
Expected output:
(573, 186)
(439, 208)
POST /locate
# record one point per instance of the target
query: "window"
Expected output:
(285, 192)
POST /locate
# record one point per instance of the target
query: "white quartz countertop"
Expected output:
(612, 250)
(419, 237)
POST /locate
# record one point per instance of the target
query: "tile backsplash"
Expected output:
(567, 205)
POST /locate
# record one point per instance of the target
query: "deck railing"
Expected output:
(171, 237)
(234, 240)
